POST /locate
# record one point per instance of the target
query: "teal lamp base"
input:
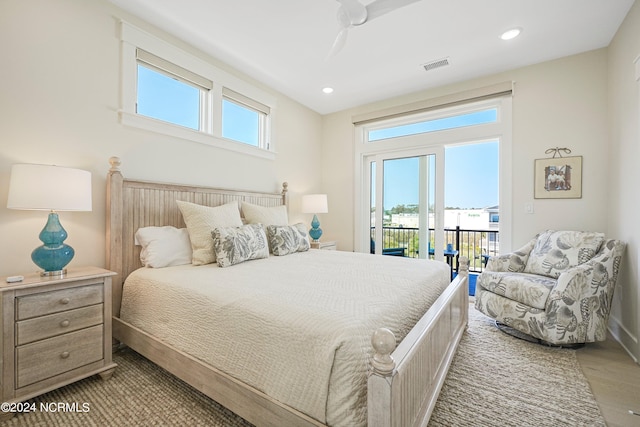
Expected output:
(54, 255)
(316, 232)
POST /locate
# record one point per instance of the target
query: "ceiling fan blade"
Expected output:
(382, 7)
(338, 43)
(355, 11)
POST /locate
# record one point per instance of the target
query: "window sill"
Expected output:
(157, 126)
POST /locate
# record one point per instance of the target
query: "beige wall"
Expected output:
(59, 96)
(624, 174)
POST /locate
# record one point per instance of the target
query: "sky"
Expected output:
(471, 177)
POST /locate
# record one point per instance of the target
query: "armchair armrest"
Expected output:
(584, 292)
(514, 261)
(594, 277)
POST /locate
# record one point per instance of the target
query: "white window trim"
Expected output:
(133, 38)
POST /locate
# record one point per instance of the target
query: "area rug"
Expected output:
(495, 380)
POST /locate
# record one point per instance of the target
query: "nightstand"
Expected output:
(56, 330)
(327, 246)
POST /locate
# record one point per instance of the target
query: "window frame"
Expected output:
(210, 132)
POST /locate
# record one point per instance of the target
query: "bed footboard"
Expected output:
(404, 383)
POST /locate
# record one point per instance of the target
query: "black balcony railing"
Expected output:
(477, 245)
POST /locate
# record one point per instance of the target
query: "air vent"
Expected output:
(431, 65)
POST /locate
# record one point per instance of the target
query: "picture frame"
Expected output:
(558, 178)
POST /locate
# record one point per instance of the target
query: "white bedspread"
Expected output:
(296, 327)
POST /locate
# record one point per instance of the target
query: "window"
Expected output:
(169, 91)
(243, 119)
(165, 98)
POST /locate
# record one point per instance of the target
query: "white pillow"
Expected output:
(201, 221)
(164, 246)
(274, 215)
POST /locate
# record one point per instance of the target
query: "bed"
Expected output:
(295, 370)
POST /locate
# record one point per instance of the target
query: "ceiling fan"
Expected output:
(352, 13)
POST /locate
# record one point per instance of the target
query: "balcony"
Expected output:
(477, 245)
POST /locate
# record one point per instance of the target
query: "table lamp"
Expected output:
(51, 188)
(315, 204)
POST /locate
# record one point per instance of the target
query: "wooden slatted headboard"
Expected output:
(134, 204)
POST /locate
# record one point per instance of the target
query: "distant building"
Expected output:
(486, 219)
(467, 219)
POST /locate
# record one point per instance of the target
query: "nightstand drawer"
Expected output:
(44, 359)
(55, 301)
(39, 328)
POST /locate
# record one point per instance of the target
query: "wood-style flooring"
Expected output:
(615, 381)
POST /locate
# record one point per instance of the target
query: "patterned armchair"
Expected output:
(557, 288)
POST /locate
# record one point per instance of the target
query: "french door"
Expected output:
(403, 203)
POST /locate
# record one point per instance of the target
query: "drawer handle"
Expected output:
(64, 301)
(64, 323)
(64, 355)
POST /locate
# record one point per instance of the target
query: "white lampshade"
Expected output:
(45, 187)
(315, 203)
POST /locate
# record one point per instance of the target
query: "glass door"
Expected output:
(405, 203)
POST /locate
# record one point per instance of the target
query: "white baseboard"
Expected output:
(627, 340)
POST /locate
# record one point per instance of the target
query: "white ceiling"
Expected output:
(284, 43)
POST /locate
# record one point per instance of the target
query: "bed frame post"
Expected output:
(285, 193)
(114, 230)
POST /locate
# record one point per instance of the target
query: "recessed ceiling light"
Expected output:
(327, 89)
(511, 34)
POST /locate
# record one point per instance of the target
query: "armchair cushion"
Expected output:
(555, 252)
(530, 289)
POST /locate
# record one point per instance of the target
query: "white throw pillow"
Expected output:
(201, 221)
(274, 215)
(164, 246)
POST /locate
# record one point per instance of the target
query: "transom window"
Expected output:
(243, 119)
(433, 125)
(166, 98)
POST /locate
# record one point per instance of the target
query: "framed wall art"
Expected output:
(558, 178)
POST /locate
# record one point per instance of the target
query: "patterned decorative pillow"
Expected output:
(234, 245)
(557, 251)
(285, 240)
(201, 220)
